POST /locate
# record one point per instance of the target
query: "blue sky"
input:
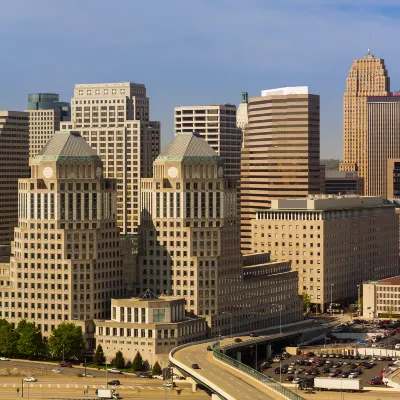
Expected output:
(195, 52)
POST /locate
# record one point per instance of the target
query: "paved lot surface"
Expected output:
(366, 376)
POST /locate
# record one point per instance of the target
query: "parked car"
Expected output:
(114, 371)
(30, 379)
(169, 384)
(345, 374)
(115, 382)
(253, 334)
(297, 380)
(4, 359)
(290, 378)
(195, 366)
(56, 371)
(65, 364)
(209, 348)
(238, 340)
(377, 381)
(143, 375)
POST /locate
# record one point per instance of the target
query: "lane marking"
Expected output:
(140, 387)
(49, 385)
(5, 385)
(58, 385)
(14, 385)
(148, 387)
(131, 387)
(67, 386)
(103, 386)
(76, 386)
(94, 386)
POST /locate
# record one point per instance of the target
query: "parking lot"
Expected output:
(322, 365)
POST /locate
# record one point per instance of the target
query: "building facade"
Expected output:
(383, 142)
(242, 115)
(334, 243)
(343, 183)
(190, 243)
(150, 325)
(46, 111)
(393, 178)
(217, 125)
(66, 263)
(367, 77)
(281, 152)
(381, 299)
(14, 164)
(114, 120)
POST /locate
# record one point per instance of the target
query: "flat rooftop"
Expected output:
(284, 91)
(395, 280)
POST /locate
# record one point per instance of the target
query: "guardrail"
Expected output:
(268, 382)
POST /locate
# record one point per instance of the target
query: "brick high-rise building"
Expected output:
(281, 151)
(367, 77)
(217, 125)
(114, 120)
(46, 112)
(66, 263)
(14, 164)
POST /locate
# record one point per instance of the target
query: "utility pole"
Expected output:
(106, 375)
(85, 367)
(22, 391)
(331, 297)
(359, 301)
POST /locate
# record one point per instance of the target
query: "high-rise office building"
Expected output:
(66, 264)
(393, 179)
(334, 243)
(280, 154)
(217, 125)
(367, 77)
(190, 244)
(383, 141)
(114, 120)
(46, 112)
(14, 164)
(343, 182)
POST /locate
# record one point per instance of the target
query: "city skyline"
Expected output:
(176, 81)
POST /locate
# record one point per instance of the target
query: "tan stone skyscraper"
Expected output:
(66, 264)
(367, 77)
(280, 154)
(114, 120)
(14, 164)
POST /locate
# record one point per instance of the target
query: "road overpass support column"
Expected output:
(239, 356)
(269, 350)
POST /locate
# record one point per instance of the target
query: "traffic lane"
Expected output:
(231, 384)
(366, 376)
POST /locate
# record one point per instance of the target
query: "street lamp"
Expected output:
(331, 296)
(106, 374)
(359, 300)
(226, 312)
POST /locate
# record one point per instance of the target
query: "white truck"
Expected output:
(106, 394)
(345, 385)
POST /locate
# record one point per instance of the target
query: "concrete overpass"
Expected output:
(226, 376)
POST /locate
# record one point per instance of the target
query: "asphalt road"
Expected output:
(238, 388)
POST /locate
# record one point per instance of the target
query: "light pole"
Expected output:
(359, 300)
(331, 297)
(226, 312)
(106, 375)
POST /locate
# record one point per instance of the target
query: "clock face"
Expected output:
(99, 172)
(172, 172)
(220, 172)
(48, 172)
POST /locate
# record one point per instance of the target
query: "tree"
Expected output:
(306, 302)
(156, 369)
(99, 357)
(8, 338)
(119, 361)
(30, 341)
(66, 340)
(137, 363)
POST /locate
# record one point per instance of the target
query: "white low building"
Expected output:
(149, 324)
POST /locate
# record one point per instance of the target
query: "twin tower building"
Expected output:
(68, 256)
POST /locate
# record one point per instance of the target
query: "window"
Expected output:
(158, 315)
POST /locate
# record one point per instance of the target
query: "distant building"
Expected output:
(393, 178)
(334, 243)
(367, 77)
(343, 182)
(216, 124)
(383, 142)
(381, 299)
(281, 152)
(242, 116)
(46, 112)
(114, 118)
(150, 325)
(14, 165)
